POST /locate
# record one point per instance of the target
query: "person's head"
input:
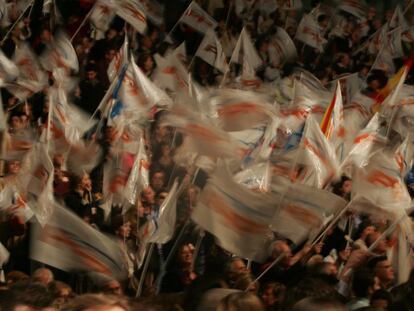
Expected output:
(317, 304)
(234, 268)
(146, 62)
(382, 268)
(273, 293)
(343, 187)
(16, 276)
(83, 182)
(121, 227)
(241, 302)
(28, 296)
(90, 72)
(43, 275)
(96, 302)
(381, 246)
(245, 282)
(381, 299)
(110, 54)
(148, 196)
(364, 283)
(158, 180)
(112, 287)
(185, 255)
(60, 290)
(13, 167)
(58, 160)
(280, 247)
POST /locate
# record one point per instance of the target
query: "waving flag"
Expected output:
(245, 51)
(153, 10)
(131, 13)
(282, 49)
(255, 177)
(197, 18)
(398, 19)
(238, 217)
(61, 54)
(397, 79)
(309, 33)
(102, 15)
(357, 8)
(32, 78)
(167, 214)
(237, 110)
(318, 156)
(70, 244)
(211, 51)
(139, 176)
(201, 137)
(382, 180)
(8, 70)
(362, 145)
(303, 210)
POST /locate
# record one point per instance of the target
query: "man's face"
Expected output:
(384, 271)
(91, 75)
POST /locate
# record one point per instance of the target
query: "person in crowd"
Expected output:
(241, 302)
(43, 275)
(364, 284)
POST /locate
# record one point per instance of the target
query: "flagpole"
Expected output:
(170, 254)
(144, 271)
(279, 258)
(408, 6)
(16, 22)
(176, 24)
(197, 247)
(331, 224)
(83, 23)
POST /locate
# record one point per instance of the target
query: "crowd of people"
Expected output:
(349, 267)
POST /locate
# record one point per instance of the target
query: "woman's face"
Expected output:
(148, 64)
(186, 255)
(347, 186)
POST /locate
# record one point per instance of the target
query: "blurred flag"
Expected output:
(32, 78)
(8, 70)
(211, 51)
(318, 156)
(68, 243)
(102, 15)
(167, 214)
(245, 51)
(255, 177)
(358, 8)
(303, 211)
(197, 18)
(292, 5)
(282, 49)
(398, 19)
(238, 217)
(153, 10)
(309, 33)
(60, 54)
(131, 13)
(139, 176)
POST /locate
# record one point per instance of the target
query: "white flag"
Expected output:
(197, 18)
(102, 15)
(211, 51)
(245, 51)
(131, 13)
(237, 216)
(153, 9)
(70, 244)
(309, 33)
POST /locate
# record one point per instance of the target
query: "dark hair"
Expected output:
(317, 303)
(372, 263)
(362, 280)
(383, 295)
